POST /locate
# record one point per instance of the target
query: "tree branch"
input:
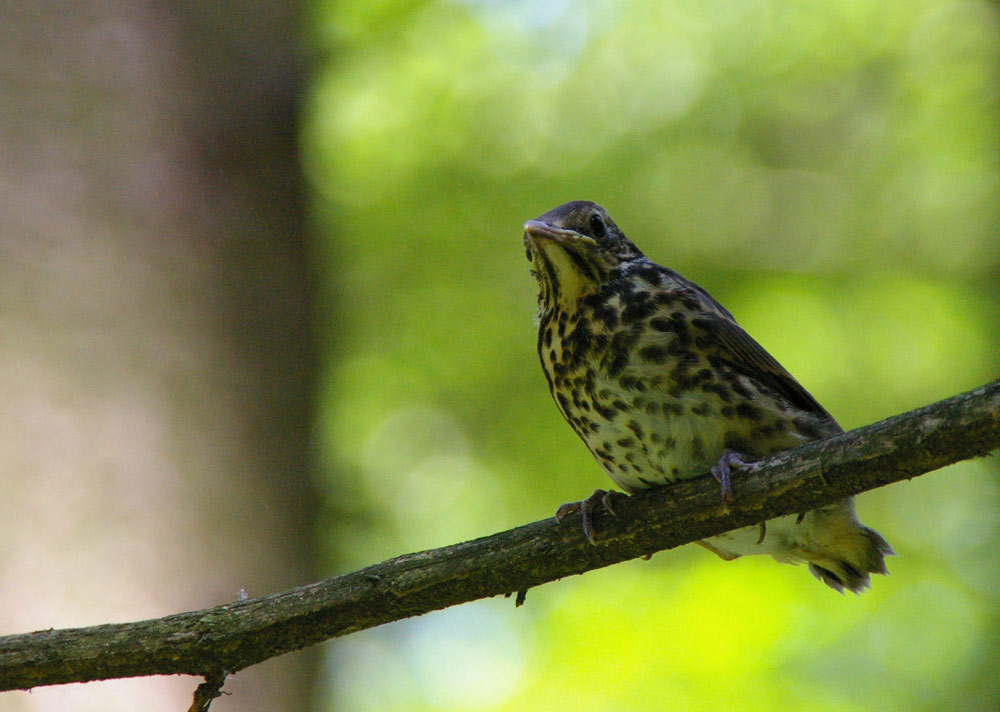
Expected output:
(230, 637)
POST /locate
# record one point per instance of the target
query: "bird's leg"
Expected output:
(608, 501)
(721, 471)
(585, 507)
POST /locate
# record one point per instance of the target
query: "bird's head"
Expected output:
(573, 250)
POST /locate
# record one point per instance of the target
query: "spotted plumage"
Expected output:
(662, 384)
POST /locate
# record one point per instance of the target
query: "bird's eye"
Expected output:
(597, 226)
(527, 252)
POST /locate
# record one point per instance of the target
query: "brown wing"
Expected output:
(749, 358)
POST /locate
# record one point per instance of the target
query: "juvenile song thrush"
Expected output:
(662, 384)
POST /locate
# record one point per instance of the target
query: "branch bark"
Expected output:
(231, 637)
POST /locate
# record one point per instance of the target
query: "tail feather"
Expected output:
(851, 570)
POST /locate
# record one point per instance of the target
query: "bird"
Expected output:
(662, 384)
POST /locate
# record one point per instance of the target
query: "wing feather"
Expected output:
(747, 357)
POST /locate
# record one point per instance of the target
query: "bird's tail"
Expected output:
(852, 552)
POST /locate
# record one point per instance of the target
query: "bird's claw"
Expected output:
(585, 507)
(721, 472)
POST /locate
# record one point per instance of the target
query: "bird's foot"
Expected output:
(721, 472)
(585, 507)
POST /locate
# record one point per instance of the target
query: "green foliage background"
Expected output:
(827, 169)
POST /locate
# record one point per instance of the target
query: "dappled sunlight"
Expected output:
(828, 170)
(468, 658)
(888, 333)
(705, 636)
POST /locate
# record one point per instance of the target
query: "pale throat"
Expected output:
(572, 284)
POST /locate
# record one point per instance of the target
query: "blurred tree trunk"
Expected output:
(155, 358)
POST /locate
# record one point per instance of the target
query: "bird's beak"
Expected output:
(539, 230)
